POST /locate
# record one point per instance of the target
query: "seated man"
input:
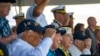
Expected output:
(81, 46)
(30, 41)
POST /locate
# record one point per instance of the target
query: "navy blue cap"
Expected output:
(29, 24)
(6, 1)
(79, 35)
(61, 31)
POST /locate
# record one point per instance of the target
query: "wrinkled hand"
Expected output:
(88, 43)
(50, 33)
(67, 19)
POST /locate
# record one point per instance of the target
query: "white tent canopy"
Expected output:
(82, 10)
(57, 2)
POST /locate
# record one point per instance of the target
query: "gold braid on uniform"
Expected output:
(65, 51)
(1, 52)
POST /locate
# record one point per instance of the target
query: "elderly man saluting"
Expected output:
(30, 41)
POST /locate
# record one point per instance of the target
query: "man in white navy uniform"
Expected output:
(61, 17)
(30, 40)
(35, 12)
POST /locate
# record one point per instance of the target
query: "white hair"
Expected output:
(20, 35)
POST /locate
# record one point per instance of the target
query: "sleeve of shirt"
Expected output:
(29, 14)
(74, 52)
(42, 49)
(86, 51)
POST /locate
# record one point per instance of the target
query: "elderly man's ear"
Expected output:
(25, 34)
